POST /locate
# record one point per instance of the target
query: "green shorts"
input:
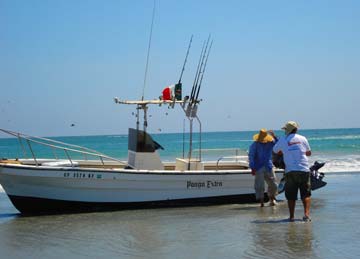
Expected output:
(296, 180)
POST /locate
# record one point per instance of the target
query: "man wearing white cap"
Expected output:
(296, 150)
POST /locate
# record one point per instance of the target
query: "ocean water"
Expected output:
(339, 148)
(226, 231)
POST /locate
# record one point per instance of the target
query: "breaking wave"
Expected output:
(348, 163)
(341, 137)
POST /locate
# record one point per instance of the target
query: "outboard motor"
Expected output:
(315, 176)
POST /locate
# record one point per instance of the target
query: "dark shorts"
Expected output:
(296, 180)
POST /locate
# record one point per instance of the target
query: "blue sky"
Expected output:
(62, 62)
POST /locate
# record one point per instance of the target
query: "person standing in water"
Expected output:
(295, 149)
(260, 162)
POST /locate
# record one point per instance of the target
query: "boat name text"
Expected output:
(205, 184)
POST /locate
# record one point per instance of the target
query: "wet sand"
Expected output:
(228, 231)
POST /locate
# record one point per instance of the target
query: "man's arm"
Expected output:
(277, 149)
(252, 151)
(308, 150)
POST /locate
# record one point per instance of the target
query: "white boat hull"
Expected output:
(42, 189)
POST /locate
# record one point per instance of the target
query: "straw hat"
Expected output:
(290, 126)
(263, 137)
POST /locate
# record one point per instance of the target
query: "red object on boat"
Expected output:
(167, 93)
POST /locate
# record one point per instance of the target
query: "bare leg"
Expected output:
(272, 201)
(291, 205)
(307, 202)
(261, 202)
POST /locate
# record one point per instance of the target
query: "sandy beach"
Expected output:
(230, 231)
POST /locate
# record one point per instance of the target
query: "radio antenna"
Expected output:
(148, 53)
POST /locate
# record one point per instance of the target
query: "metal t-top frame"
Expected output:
(190, 112)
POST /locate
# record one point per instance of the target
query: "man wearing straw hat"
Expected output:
(295, 149)
(260, 162)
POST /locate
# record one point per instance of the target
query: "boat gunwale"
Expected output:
(129, 171)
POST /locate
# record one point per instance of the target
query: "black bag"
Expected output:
(278, 160)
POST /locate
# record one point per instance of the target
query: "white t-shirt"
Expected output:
(294, 147)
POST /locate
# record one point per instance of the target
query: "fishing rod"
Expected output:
(191, 110)
(187, 54)
(197, 71)
(202, 75)
(193, 99)
(178, 86)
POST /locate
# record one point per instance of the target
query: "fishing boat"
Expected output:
(97, 182)
(47, 186)
(93, 181)
(37, 185)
